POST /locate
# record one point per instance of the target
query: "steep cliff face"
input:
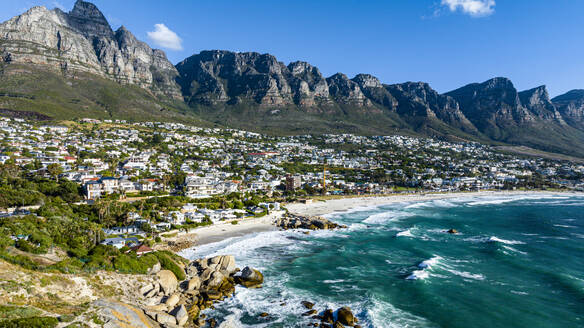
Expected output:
(375, 91)
(419, 99)
(346, 92)
(82, 40)
(538, 103)
(571, 106)
(217, 77)
(309, 86)
(492, 106)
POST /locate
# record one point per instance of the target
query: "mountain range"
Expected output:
(73, 64)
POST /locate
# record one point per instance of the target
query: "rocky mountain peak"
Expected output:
(367, 81)
(89, 20)
(571, 107)
(346, 91)
(82, 40)
(537, 101)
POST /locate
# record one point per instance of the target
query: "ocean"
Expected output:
(518, 261)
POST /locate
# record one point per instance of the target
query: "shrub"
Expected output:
(167, 263)
(32, 322)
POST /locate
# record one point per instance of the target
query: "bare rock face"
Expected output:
(571, 107)
(121, 315)
(216, 77)
(82, 40)
(309, 86)
(537, 101)
(345, 91)
(168, 281)
(420, 100)
(374, 90)
(492, 105)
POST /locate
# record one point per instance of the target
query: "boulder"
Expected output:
(308, 305)
(155, 268)
(194, 311)
(165, 319)
(194, 283)
(215, 280)
(308, 313)
(146, 288)
(172, 300)
(227, 263)
(250, 278)
(118, 314)
(168, 281)
(338, 325)
(214, 260)
(212, 295)
(181, 315)
(452, 231)
(206, 274)
(345, 316)
(327, 316)
(158, 308)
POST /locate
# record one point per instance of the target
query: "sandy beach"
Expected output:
(221, 231)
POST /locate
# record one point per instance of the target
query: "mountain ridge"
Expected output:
(256, 91)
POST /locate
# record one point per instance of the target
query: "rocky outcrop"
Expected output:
(419, 100)
(328, 318)
(537, 101)
(292, 221)
(82, 40)
(121, 315)
(218, 77)
(172, 303)
(346, 92)
(309, 87)
(571, 106)
(492, 105)
(375, 91)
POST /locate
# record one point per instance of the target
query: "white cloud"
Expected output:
(162, 36)
(475, 8)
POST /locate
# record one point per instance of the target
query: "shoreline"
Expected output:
(317, 208)
(222, 231)
(225, 230)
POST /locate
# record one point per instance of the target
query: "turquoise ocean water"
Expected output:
(517, 262)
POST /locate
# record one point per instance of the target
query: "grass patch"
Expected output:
(9, 312)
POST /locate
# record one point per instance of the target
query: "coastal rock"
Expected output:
(165, 318)
(121, 315)
(308, 305)
(194, 283)
(172, 300)
(291, 221)
(345, 316)
(308, 313)
(168, 281)
(215, 281)
(328, 316)
(181, 315)
(250, 278)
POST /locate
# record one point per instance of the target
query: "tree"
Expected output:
(54, 170)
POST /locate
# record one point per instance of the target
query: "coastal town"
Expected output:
(120, 160)
(89, 196)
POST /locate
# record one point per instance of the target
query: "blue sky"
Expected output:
(447, 43)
